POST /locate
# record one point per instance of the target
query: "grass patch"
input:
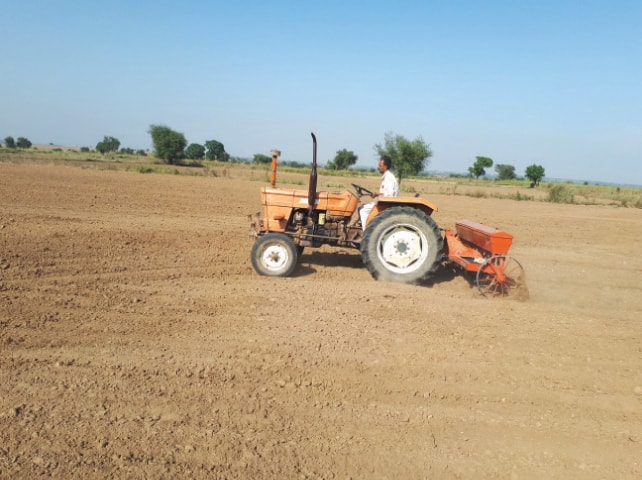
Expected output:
(561, 193)
(292, 182)
(477, 194)
(520, 197)
(162, 170)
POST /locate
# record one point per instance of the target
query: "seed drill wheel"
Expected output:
(274, 254)
(502, 276)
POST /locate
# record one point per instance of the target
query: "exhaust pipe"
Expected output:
(312, 189)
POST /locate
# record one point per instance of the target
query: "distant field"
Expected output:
(516, 190)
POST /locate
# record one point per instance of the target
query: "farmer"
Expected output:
(389, 188)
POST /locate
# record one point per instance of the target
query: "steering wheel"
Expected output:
(361, 191)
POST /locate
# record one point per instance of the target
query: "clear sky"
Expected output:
(557, 83)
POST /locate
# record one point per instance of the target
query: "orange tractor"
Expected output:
(401, 243)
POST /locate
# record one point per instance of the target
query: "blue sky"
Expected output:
(555, 83)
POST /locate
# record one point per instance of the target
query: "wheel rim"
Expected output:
(402, 248)
(275, 257)
(500, 276)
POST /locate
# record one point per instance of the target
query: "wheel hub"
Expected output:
(401, 248)
(274, 257)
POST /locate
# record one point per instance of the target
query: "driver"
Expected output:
(388, 188)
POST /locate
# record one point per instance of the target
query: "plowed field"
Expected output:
(136, 341)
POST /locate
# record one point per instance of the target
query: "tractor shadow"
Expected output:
(312, 261)
(309, 261)
(445, 273)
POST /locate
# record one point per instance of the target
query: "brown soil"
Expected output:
(136, 341)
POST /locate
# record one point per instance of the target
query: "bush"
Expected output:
(477, 194)
(260, 158)
(520, 197)
(23, 142)
(561, 193)
(168, 144)
(108, 144)
(195, 151)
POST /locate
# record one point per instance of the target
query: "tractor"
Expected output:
(400, 241)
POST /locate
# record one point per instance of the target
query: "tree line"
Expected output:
(172, 147)
(20, 142)
(534, 173)
(409, 157)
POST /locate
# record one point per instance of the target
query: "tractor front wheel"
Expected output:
(274, 254)
(402, 244)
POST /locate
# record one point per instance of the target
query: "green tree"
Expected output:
(195, 151)
(343, 160)
(9, 142)
(216, 151)
(109, 144)
(479, 167)
(505, 172)
(23, 142)
(535, 173)
(260, 158)
(408, 157)
(168, 144)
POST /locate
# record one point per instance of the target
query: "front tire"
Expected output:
(274, 255)
(402, 244)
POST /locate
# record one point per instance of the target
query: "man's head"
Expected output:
(385, 163)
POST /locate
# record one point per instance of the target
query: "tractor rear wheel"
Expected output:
(274, 254)
(402, 244)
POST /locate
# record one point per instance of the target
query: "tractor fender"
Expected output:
(383, 203)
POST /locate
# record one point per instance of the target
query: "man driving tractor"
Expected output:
(389, 188)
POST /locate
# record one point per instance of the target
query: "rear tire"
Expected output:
(274, 255)
(402, 244)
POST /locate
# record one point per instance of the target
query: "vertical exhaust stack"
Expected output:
(312, 189)
(275, 155)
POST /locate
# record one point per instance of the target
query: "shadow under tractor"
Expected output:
(402, 242)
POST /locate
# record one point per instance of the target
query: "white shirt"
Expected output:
(389, 186)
